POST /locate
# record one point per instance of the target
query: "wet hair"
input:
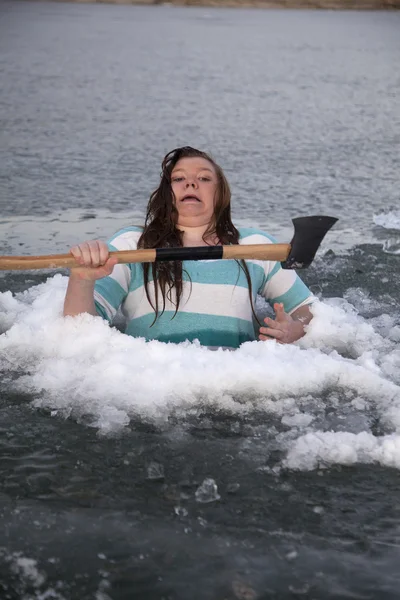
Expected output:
(161, 231)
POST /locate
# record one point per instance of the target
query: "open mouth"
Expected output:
(190, 198)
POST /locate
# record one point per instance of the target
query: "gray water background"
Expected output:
(302, 110)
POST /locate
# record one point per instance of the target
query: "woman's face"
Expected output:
(194, 184)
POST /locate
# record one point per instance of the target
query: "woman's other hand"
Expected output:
(284, 328)
(94, 260)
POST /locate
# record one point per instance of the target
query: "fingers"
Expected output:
(281, 318)
(280, 312)
(284, 329)
(273, 324)
(108, 267)
(76, 253)
(268, 333)
(276, 328)
(91, 254)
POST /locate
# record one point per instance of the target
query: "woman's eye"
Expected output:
(204, 179)
(176, 179)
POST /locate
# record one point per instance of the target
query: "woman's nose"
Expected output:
(191, 183)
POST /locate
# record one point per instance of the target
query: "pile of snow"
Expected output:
(325, 390)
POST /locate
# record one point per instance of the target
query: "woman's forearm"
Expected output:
(79, 297)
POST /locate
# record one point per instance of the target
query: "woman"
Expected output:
(212, 301)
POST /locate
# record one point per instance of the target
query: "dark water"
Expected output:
(302, 110)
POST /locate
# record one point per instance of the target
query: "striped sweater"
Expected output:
(215, 306)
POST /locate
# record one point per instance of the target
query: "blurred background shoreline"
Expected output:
(278, 4)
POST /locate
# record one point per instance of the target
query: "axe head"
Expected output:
(308, 235)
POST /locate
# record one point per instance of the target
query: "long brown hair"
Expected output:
(160, 230)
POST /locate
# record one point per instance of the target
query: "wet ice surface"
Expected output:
(388, 220)
(389, 225)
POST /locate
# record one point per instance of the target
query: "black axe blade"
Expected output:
(308, 235)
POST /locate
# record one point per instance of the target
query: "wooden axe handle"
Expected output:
(275, 252)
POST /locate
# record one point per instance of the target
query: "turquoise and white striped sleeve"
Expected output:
(286, 287)
(110, 292)
(276, 284)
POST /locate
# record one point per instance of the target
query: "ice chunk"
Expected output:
(207, 492)
(155, 471)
